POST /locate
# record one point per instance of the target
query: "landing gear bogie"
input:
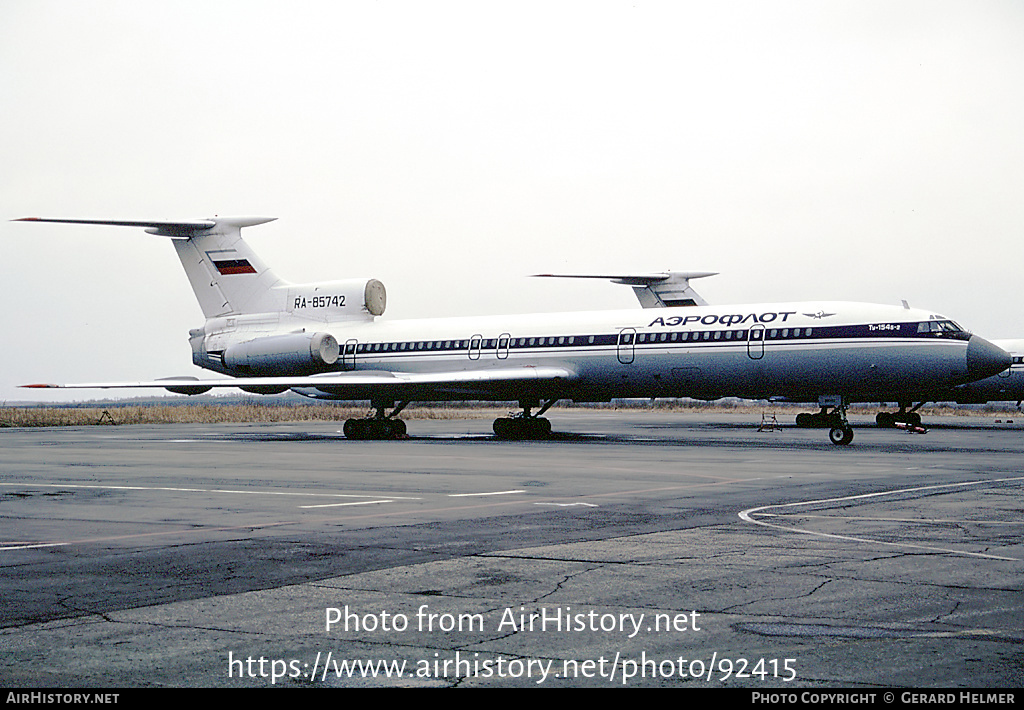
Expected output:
(888, 420)
(370, 428)
(380, 426)
(518, 428)
(525, 425)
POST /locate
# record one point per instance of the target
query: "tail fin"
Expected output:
(226, 275)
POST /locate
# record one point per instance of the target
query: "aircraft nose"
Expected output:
(985, 359)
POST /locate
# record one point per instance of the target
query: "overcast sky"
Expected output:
(868, 151)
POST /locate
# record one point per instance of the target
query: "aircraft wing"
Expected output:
(361, 384)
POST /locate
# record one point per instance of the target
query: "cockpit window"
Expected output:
(939, 326)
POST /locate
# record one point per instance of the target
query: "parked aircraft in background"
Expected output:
(1007, 386)
(328, 341)
(672, 288)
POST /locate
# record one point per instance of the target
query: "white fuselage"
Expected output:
(793, 350)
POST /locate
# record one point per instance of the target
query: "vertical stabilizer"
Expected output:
(226, 275)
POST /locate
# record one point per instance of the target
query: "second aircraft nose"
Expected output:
(985, 359)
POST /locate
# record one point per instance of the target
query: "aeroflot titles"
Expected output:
(724, 320)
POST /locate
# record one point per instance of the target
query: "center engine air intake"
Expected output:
(289, 354)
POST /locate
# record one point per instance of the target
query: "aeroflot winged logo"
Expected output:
(819, 315)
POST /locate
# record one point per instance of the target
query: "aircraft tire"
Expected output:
(840, 436)
(353, 429)
(503, 428)
(544, 427)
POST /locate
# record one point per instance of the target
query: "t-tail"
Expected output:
(229, 279)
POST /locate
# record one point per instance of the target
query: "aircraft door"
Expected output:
(755, 342)
(474, 346)
(348, 358)
(502, 350)
(626, 345)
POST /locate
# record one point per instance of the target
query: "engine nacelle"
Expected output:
(291, 354)
(187, 389)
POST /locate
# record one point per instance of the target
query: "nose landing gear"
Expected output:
(840, 432)
(840, 435)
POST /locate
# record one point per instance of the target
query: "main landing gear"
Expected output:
(379, 426)
(889, 420)
(840, 432)
(525, 425)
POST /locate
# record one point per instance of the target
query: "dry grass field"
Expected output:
(205, 414)
(115, 413)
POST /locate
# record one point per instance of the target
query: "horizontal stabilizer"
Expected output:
(165, 228)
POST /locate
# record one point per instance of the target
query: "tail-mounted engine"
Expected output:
(291, 354)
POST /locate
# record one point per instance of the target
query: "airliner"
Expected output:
(327, 340)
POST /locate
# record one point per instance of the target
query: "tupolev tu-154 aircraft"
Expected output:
(327, 340)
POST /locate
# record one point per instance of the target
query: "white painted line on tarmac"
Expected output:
(492, 493)
(201, 490)
(748, 516)
(338, 505)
